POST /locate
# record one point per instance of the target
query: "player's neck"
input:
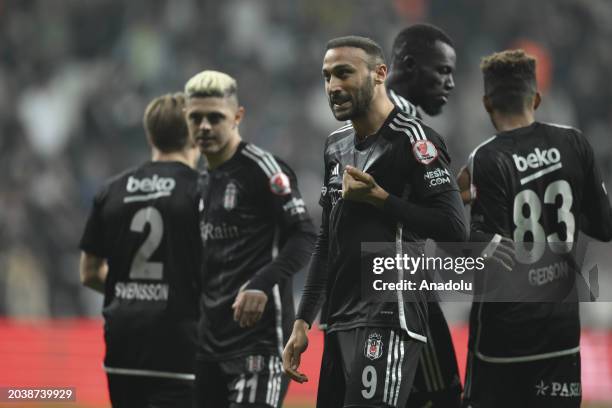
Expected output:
(187, 156)
(505, 122)
(215, 160)
(374, 118)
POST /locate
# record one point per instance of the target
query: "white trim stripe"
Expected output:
(406, 131)
(470, 163)
(259, 162)
(400, 295)
(147, 197)
(278, 377)
(414, 122)
(267, 157)
(270, 378)
(342, 129)
(149, 373)
(265, 160)
(534, 357)
(279, 317)
(404, 104)
(398, 102)
(399, 373)
(418, 132)
(540, 173)
(388, 371)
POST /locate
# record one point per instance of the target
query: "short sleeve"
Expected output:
(430, 166)
(92, 240)
(490, 210)
(284, 196)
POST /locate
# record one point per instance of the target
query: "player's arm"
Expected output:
(465, 185)
(93, 267)
(312, 298)
(596, 211)
(290, 214)
(93, 271)
(439, 213)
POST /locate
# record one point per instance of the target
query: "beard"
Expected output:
(360, 102)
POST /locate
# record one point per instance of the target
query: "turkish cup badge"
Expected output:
(424, 151)
(374, 346)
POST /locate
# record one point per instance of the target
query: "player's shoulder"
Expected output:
(564, 132)
(402, 103)
(562, 129)
(412, 129)
(413, 134)
(486, 148)
(117, 180)
(265, 165)
(344, 132)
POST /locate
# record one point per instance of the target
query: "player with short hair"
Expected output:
(421, 72)
(531, 182)
(141, 248)
(257, 234)
(374, 191)
(421, 76)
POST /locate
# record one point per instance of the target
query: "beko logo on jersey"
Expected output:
(150, 184)
(539, 158)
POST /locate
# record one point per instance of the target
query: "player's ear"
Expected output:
(380, 74)
(408, 63)
(486, 102)
(537, 99)
(238, 117)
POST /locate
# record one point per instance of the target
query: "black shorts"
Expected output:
(250, 381)
(437, 382)
(367, 367)
(131, 391)
(553, 382)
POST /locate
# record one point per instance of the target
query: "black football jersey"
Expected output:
(144, 222)
(250, 203)
(407, 159)
(535, 184)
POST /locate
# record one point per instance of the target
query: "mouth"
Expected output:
(340, 103)
(204, 140)
(441, 99)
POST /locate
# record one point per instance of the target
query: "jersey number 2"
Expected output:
(141, 268)
(532, 224)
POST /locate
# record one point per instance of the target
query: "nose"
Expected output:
(205, 125)
(449, 84)
(334, 86)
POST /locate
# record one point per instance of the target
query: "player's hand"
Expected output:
(249, 306)
(360, 186)
(502, 254)
(297, 344)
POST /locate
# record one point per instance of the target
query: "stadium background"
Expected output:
(75, 77)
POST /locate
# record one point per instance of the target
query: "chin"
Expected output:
(343, 116)
(433, 111)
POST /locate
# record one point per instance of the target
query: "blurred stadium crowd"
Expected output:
(75, 77)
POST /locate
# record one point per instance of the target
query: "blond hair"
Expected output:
(212, 83)
(164, 123)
